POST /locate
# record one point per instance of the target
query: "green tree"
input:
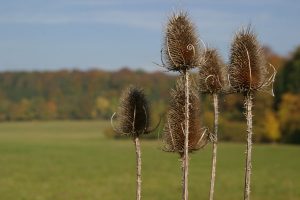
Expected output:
(288, 77)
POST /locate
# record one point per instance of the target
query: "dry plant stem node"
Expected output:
(248, 105)
(214, 139)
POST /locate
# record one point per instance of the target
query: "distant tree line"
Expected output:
(72, 94)
(94, 94)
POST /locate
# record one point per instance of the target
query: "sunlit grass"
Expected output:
(73, 160)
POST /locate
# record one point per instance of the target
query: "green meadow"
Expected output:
(72, 160)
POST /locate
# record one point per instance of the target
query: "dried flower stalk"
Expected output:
(133, 117)
(180, 53)
(248, 73)
(212, 79)
(175, 137)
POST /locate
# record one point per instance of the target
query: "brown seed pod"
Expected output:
(181, 49)
(212, 73)
(248, 68)
(174, 135)
(133, 112)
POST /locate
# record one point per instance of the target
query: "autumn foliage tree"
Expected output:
(289, 117)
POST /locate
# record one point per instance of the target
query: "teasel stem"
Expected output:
(137, 145)
(248, 105)
(214, 149)
(186, 140)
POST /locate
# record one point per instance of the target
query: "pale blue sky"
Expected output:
(110, 34)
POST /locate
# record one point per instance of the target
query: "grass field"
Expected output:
(74, 161)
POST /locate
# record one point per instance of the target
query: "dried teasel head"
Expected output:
(133, 113)
(174, 130)
(248, 69)
(181, 49)
(212, 76)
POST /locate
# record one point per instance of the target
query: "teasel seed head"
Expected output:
(174, 135)
(133, 113)
(248, 69)
(181, 49)
(212, 76)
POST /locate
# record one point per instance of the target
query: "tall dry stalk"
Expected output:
(186, 139)
(181, 52)
(133, 120)
(214, 149)
(248, 73)
(248, 106)
(183, 132)
(138, 168)
(175, 127)
(212, 79)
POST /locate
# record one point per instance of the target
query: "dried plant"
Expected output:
(180, 53)
(212, 79)
(184, 134)
(133, 118)
(133, 112)
(174, 130)
(248, 73)
(181, 49)
(248, 69)
(212, 76)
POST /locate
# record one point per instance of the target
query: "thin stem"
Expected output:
(139, 168)
(186, 140)
(248, 104)
(214, 149)
(183, 177)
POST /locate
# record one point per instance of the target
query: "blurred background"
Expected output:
(69, 59)
(64, 63)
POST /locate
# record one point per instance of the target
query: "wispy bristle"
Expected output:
(174, 135)
(212, 73)
(181, 45)
(133, 113)
(247, 69)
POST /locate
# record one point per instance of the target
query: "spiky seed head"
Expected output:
(247, 67)
(133, 112)
(212, 73)
(174, 129)
(181, 49)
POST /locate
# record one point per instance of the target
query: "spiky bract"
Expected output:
(181, 49)
(248, 68)
(174, 134)
(133, 113)
(212, 73)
